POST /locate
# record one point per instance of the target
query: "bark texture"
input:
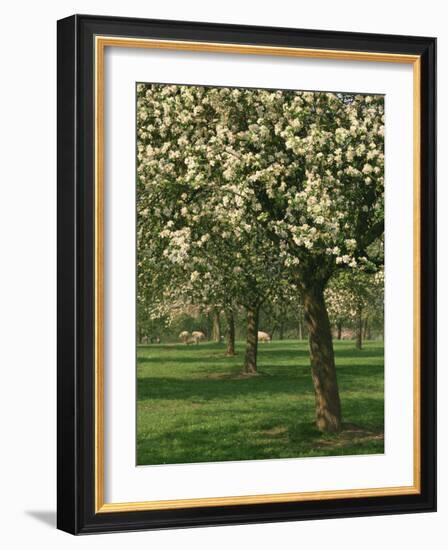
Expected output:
(366, 329)
(250, 361)
(216, 326)
(323, 370)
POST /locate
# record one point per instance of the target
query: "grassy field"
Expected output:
(194, 406)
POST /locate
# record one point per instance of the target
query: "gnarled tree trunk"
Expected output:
(323, 370)
(230, 332)
(250, 361)
(216, 326)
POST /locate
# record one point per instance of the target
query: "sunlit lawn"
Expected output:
(193, 405)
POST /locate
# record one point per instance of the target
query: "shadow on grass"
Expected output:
(351, 352)
(193, 405)
(272, 379)
(221, 388)
(278, 438)
(232, 441)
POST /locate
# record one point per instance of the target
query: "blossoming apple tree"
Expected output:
(242, 189)
(356, 297)
(198, 238)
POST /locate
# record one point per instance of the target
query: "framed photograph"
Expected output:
(246, 274)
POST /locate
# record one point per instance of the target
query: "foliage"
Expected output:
(352, 294)
(240, 188)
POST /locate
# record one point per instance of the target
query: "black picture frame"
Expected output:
(76, 255)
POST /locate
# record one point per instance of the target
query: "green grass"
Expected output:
(193, 405)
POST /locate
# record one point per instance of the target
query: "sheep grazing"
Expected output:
(263, 336)
(184, 337)
(197, 336)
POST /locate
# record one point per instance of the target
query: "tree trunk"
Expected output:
(250, 361)
(339, 327)
(216, 326)
(366, 329)
(282, 331)
(359, 329)
(323, 370)
(300, 328)
(209, 326)
(230, 332)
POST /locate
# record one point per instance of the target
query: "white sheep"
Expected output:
(263, 336)
(184, 336)
(197, 336)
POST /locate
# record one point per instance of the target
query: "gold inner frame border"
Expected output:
(101, 42)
